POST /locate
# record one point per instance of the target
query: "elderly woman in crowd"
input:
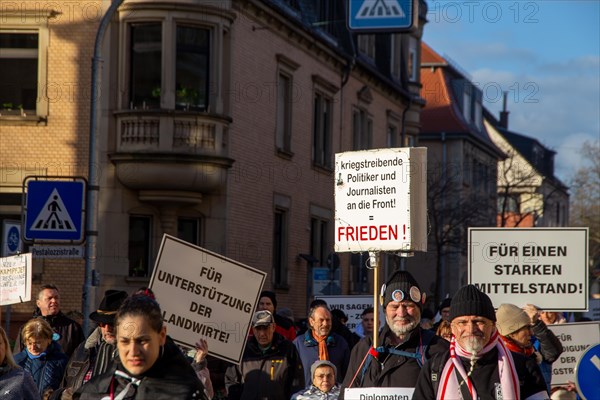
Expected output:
(42, 357)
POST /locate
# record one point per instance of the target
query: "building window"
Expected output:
(326, 16)
(185, 70)
(396, 56)
(360, 280)
(23, 49)
(320, 233)
(188, 229)
(366, 45)
(322, 130)
(413, 59)
(467, 103)
(283, 138)
(140, 233)
(280, 240)
(362, 130)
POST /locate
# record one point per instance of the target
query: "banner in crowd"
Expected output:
(547, 267)
(205, 295)
(15, 279)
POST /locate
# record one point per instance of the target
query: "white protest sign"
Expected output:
(576, 338)
(379, 393)
(203, 294)
(15, 279)
(381, 200)
(353, 307)
(542, 266)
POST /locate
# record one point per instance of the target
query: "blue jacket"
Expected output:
(337, 347)
(48, 369)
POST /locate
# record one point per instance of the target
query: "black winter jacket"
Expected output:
(390, 370)
(485, 376)
(274, 374)
(171, 377)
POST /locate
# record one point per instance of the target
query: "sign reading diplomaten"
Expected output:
(376, 393)
(205, 295)
(380, 200)
(544, 266)
(15, 279)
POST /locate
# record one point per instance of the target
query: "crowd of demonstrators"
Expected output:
(520, 328)
(70, 334)
(478, 364)
(443, 311)
(270, 367)
(367, 322)
(150, 366)
(15, 382)
(96, 354)
(323, 386)
(444, 330)
(42, 357)
(403, 345)
(319, 342)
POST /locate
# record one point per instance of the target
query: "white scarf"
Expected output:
(509, 381)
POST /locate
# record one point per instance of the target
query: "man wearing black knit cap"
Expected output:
(477, 365)
(268, 301)
(403, 346)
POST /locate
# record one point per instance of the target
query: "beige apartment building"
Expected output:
(218, 122)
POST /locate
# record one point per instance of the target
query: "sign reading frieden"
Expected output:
(544, 266)
(205, 295)
(380, 200)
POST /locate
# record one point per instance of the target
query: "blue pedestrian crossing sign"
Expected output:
(54, 210)
(587, 373)
(382, 15)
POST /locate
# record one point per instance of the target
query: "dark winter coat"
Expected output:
(85, 358)
(337, 348)
(17, 384)
(549, 346)
(485, 376)
(171, 377)
(71, 334)
(47, 370)
(391, 370)
(273, 374)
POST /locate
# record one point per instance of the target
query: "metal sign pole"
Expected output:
(374, 264)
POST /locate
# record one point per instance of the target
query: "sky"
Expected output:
(544, 53)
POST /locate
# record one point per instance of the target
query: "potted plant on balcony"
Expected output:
(186, 98)
(9, 108)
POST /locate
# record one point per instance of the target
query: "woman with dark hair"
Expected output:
(16, 383)
(149, 365)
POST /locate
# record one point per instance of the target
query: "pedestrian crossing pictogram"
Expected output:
(54, 210)
(380, 9)
(53, 216)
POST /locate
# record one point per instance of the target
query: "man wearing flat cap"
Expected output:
(478, 365)
(403, 345)
(270, 367)
(93, 356)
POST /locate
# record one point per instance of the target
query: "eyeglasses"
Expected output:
(462, 324)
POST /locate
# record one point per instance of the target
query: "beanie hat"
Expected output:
(270, 295)
(321, 363)
(471, 301)
(511, 318)
(401, 286)
(445, 303)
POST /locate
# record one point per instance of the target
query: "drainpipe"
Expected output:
(442, 256)
(93, 188)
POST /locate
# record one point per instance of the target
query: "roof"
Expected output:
(441, 112)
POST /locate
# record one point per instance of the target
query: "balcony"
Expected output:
(171, 150)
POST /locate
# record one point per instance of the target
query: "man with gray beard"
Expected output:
(403, 347)
(478, 365)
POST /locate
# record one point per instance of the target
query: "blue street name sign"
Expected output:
(382, 15)
(54, 210)
(587, 373)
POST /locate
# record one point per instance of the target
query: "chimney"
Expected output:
(504, 113)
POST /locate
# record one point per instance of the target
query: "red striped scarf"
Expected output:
(449, 386)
